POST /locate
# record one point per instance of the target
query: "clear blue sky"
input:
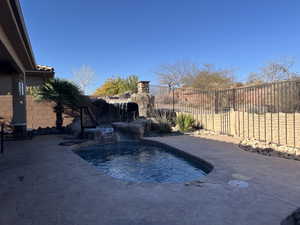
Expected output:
(121, 37)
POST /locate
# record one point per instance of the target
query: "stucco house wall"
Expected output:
(17, 64)
(16, 58)
(34, 81)
(5, 84)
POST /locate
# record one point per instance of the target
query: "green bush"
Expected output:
(185, 122)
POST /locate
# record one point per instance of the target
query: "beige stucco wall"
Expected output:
(9, 85)
(35, 80)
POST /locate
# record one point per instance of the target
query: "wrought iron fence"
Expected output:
(267, 112)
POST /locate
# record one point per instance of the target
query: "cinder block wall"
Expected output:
(6, 107)
(279, 128)
(39, 114)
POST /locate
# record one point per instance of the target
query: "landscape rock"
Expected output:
(269, 149)
(126, 130)
(75, 127)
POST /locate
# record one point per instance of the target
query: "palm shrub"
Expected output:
(63, 93)
(185, 122)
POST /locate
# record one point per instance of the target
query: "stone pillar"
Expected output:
(143, 98)
(143, 87)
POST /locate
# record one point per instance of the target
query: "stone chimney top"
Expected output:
(143, 87)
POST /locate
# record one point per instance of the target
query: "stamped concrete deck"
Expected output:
(42, 183)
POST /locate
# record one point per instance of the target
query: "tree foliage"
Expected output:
(60, 91)
(208, 77)
(116, 86)
(130, 84)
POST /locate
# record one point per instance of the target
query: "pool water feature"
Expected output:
(145, 161)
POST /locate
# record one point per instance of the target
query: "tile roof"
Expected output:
(45, 68)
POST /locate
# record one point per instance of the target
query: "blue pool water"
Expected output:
(145, 161)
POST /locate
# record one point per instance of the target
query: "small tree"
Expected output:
(110, 87)
(189, 74)
(62, 93)
(274, 71)
(278, 70)
(254, 78)
(208, 77)
(84, 77)
(172, 74)
(116, 86)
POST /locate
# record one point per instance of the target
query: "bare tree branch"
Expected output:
(173, 74)
(84, 77)
(275, 71)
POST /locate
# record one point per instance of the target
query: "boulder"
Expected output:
(127, 131)
(75, 127)
(118, 111)
(145, 123)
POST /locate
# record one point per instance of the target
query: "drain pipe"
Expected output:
(2, 138)
(81, 122)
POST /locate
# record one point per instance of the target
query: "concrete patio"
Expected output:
(43, 183)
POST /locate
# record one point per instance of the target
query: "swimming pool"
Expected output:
(145, 161)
